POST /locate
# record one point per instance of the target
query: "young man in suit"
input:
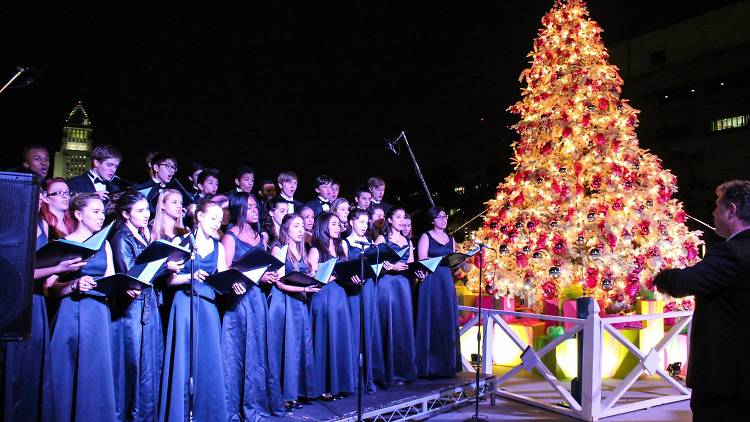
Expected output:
(719, 348)
(35, 161)
(287, 187)
(377, 189)
(105, 160)
(322, 203)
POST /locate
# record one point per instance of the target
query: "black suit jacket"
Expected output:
(317, 206)
(719, 342)
(84, 184)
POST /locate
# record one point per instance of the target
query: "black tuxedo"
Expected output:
(84, 184)
(719, 346)
(317, 206)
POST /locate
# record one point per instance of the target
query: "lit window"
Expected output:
(730, 123)
(460, 190)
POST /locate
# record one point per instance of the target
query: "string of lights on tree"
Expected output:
(586, 210)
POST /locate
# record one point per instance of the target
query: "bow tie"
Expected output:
(99, 181)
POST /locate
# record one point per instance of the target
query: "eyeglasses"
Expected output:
(62, 193)
(441, 217)
(169, 166)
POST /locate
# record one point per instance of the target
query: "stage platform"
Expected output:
(416, 401)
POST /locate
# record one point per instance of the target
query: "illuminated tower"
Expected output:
(74, 157)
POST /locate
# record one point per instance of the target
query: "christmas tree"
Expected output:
(586, 211)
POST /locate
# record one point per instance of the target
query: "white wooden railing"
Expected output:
(592, 406)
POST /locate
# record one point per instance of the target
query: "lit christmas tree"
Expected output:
(586, 210)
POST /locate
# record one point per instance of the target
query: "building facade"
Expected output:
(74, 157)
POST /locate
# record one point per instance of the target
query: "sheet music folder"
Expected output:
(60, 250)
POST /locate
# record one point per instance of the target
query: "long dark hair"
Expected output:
(238, 209)
(387, 228)
(124, 202)
(321, 238)
(283, 239)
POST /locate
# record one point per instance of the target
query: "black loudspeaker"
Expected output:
(19, 202)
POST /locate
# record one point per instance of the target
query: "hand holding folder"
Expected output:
(138, 278)
(61, 250)
(222, 282)
(455, 259)
(321, 277)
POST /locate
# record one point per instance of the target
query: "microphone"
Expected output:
(391, 146)
(485, 246)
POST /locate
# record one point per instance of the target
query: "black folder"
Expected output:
(137, 278)
(347, 269)
(60, 250)
(325, 269)
(382, 252)
(257, 258)
(222, 282)
(455, 259)
(118, 284)
(162, 249)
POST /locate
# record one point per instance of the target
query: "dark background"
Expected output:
(308, 86)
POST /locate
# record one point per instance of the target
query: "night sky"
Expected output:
(298, 85)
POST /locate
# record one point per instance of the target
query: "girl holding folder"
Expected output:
(290, 347)
(81, 342)
(210, 392)
(437, 311)
(244, 329)
(395, 304)
(335, 373)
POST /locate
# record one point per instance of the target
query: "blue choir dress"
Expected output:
(250, 394)
(82, 348)
(137, 339)
(25, 371)
(335, 372)
(437, 318)
(397, 324)
(372, 352)
(290, 346)
(210, 392)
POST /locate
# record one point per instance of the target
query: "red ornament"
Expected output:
(546, 148)
(521, 260)
(549, 290)
(600, 139)
(611, 240)
(632, 289)
(592, 277)
(585, 120)
(603, 104)
(567, 132)
(680, 217)
(618, 204)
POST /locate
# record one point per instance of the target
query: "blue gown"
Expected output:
(210, 392)
(335, 372)
(25, 371)
(397, 325)
(372, 352)
(290, 346)
(250, 395)
(437, 318)
(82, 348)
(137, 340)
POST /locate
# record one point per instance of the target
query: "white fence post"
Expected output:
(591, 387)
(487, 342)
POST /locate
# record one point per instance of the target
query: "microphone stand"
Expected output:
(414, 161)
(360, 355)
(477, 416)
(20, 70)
(193, 302)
